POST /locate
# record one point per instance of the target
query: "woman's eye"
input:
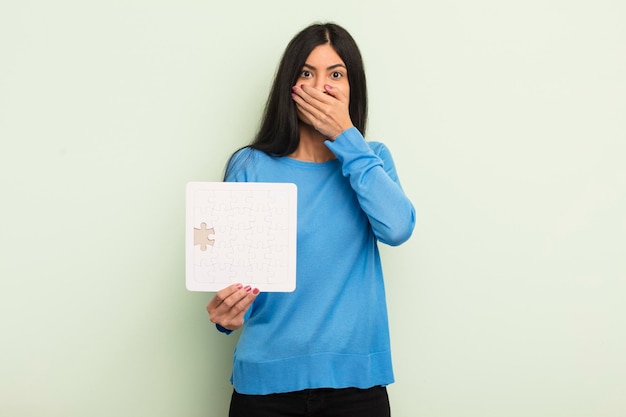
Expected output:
(305, 74)
(336, 74)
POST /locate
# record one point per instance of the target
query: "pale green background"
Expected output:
(507, 123)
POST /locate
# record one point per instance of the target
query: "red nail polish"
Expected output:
(248, 288)
(239, 286)
(255, 291)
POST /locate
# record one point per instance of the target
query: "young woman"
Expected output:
(323, 349)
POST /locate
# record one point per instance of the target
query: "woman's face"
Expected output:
(323, 66)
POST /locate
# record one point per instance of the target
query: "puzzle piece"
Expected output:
(201, 237)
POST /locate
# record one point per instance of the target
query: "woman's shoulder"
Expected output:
(247, 154)
(244, 162)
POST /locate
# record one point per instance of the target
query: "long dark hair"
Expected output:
(278, 134)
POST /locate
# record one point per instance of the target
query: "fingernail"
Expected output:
(255, 291)
(294, 88)
(239, 286)
(328, 87)
(248, 288)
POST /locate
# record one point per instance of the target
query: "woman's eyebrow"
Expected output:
(309, 66)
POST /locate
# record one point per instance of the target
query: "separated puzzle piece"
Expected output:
(201, 236)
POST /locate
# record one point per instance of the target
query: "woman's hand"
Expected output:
(228, 307)
(327, 111)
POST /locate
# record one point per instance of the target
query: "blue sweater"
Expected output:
(332, 331)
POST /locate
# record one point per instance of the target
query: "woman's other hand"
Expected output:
(228, 307)
(326, 111)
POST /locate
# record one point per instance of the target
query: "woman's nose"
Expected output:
(319, 84)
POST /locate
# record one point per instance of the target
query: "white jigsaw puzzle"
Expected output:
(241, 232)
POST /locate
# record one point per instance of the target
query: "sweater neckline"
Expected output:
(311, 165)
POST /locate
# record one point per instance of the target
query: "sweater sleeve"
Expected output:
(373, 177)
